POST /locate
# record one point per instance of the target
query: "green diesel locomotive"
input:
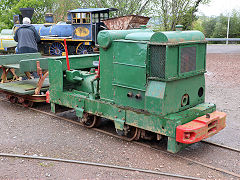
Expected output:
(148, 83)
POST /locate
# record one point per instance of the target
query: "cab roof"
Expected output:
(91, 10)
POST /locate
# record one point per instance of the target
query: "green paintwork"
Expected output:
(74, 76)
(132, 90)
(145, 36)
(26, 87)
(76, 61)
(13, 61)
(6, 39)
(125, 68)
(15, 66)
(16, 58)
(166, 125)
(30, 65)
(75, 80)
(82, 80)
(106, 73)
(177, 37)
(168, 95)
(173, 62)
(105, 38)
(129, 72)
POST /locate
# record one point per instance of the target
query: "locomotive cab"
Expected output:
(88, 22)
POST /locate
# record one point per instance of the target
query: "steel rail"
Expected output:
(98, 165)
(145, 145)
(193, 161)
(122, 137)
(142, 144)
(220, 145)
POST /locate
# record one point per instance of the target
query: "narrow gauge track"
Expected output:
(135, 142)
(99, 165)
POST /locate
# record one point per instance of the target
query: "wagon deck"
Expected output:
(26, 87)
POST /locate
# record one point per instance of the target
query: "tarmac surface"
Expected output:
(24, 131)
(223, 49)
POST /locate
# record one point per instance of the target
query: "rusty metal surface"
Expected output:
(126, 22)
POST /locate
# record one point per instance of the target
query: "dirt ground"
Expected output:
(27, 132)
(24, 131)
(222, 88)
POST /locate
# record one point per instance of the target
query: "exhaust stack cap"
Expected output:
(179, 27)
(27, 12)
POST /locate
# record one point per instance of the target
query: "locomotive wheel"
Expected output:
(83, 49)
(13, 99)
(8, 96)
(56, 49)
(90, 49)
(90, 121)
(132, 133)
(27, 103)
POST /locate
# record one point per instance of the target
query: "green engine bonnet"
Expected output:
(177, 37)
(167, 37)
(106, 37)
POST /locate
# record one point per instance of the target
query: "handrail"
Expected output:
(223, 39)
(1, 47)
(1, 44)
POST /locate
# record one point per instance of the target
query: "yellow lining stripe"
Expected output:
(50, 31)
(66, 40)
(1, 48)
(39, 30)
(6, 39)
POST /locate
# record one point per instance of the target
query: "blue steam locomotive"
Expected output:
(80, 30)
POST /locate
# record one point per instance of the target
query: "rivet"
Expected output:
(207, 115)
(138, 96)
(129, 94)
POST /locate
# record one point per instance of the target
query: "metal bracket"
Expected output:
(119, 124)
(79, 112)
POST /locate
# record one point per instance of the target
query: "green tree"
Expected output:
(6, 15)
(208, 24)
(216, 27)
(11, 7)
(40, 8)
(234, 29)
(220, 30)
(61, 8)
(175, 12)
(197, 25)
(125, 7)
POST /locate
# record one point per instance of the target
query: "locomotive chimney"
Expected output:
(27, 12)
(179, 27)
